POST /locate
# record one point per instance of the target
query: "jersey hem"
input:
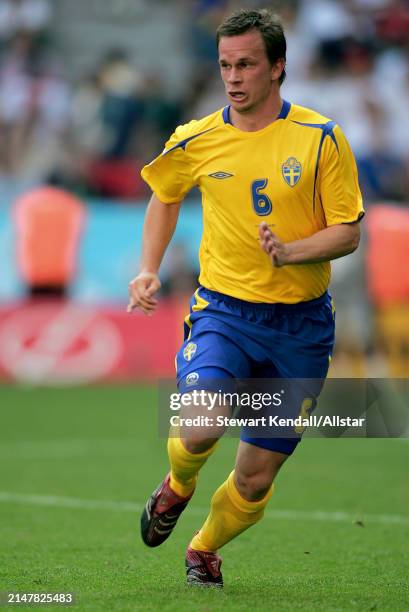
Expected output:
(245, 298)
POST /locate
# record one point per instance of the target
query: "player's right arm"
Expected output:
(170, 178)
(159, 226)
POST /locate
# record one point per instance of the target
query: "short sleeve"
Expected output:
(169, 175)
(339, 188)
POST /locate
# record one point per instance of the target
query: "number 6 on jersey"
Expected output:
(261, 202)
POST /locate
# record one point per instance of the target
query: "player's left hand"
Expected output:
(272, 245)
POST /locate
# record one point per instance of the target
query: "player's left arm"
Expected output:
(330, 243)
(341, 200)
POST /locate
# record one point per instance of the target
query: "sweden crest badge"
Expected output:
(189, 351)
(291, 170)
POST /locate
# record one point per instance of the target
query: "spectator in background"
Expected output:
(121, 108)
(87, 130)
(391, 80)
(324, 23)
(206, 15)
(33, 93)
(33, 16)
(34, 107)
(107, 109)
(17, 67)
(95, 135)
(299, 49)
(392, 22)
(51, 107)
(161, 113)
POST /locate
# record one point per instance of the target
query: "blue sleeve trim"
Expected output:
(182, 144)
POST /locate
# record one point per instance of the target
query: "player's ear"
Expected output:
(277, 69)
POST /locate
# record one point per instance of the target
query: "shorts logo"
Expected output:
(220, 175)
(192, 378)
(189, 351)
(291, 170)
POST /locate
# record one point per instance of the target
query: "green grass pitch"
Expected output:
(77, 464)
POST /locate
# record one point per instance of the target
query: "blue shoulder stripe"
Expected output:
(182, 144)
(327, 130)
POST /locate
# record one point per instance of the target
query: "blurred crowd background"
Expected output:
(90, 91)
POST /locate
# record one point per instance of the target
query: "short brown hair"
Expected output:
(266, 23)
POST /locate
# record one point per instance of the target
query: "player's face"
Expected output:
(247, 74)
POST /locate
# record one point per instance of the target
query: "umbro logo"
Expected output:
(221, 175)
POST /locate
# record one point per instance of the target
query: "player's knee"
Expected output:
(253, 487)
(196, 445)
(199, 431)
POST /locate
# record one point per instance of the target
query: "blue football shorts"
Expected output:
(227, 339)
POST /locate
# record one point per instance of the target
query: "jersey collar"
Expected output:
(285, 109)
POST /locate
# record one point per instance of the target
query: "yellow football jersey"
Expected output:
(298, 174)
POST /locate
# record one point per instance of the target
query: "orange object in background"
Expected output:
(388, 254)
(48, 225)
(388, 283)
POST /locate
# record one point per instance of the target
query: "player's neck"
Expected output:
(261, 117)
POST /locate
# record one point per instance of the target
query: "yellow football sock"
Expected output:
(230, 515)
(184, 466)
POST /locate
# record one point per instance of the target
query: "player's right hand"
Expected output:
(141, 291)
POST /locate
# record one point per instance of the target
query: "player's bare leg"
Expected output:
(255, 470)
